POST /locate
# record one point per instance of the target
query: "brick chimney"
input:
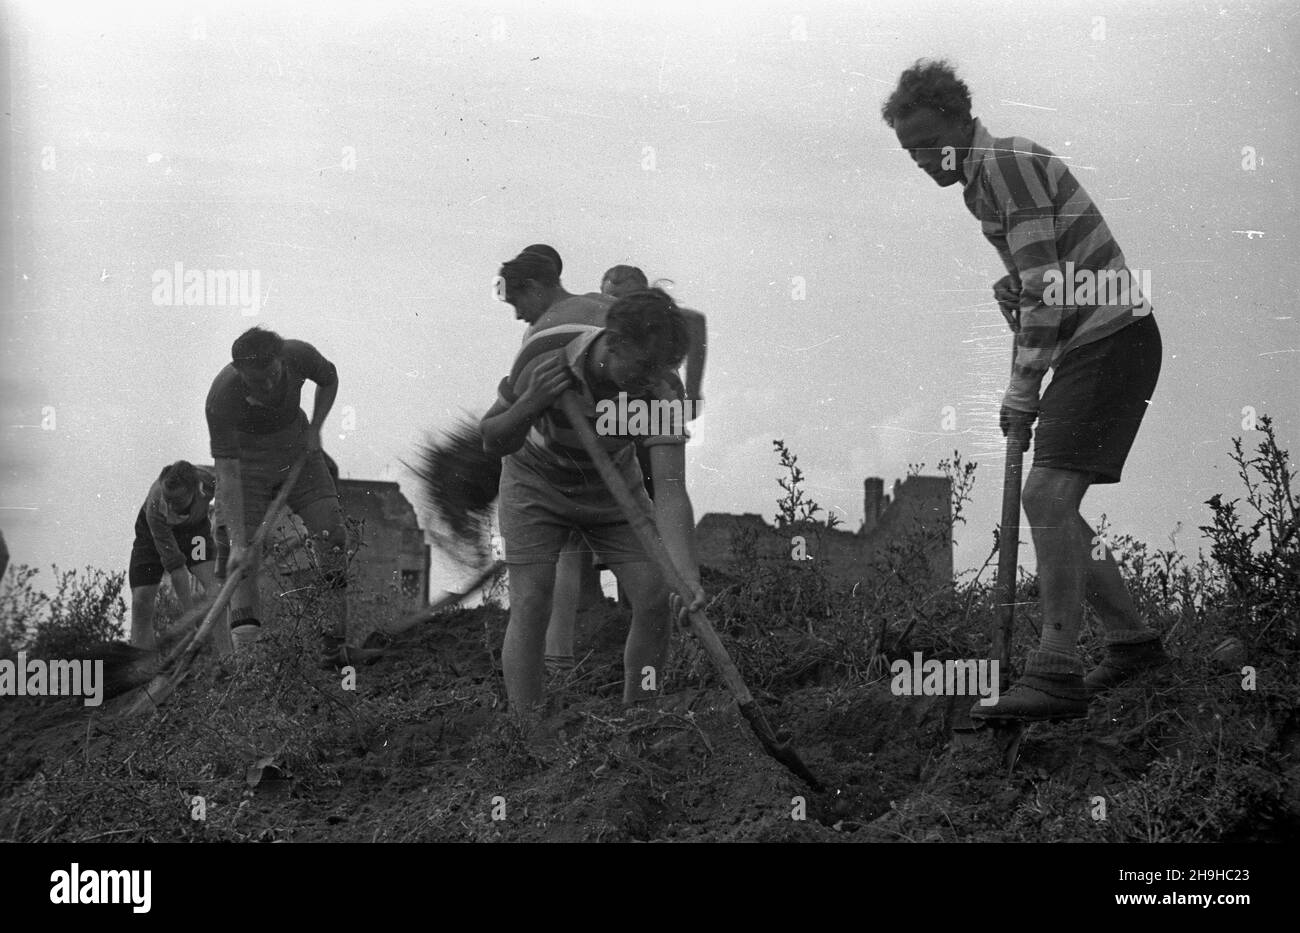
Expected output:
(873, 496)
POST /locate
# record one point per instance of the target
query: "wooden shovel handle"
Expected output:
(646, 531)
(259, 538)
(1008, 553)
(449, 598)
(648, 534)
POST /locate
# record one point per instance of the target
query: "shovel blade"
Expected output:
(782, 752)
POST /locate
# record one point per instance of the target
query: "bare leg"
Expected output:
(245, 600)
(1051, 501)
(1106, 592)
(523, 651)
(564, 603)
(142, 602)
(645, 656)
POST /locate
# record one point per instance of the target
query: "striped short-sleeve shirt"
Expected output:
(552, 447)
(1075, 287)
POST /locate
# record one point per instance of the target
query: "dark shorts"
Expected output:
(146, 569)
(1091, 411)
(264, 463)
(538, 519)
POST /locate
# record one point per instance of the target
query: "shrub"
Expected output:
(904, 601)
(792, 624)
(783, 592)
(1260, 556)
(85, 612)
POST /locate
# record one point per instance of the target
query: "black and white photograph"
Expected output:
(562, 421)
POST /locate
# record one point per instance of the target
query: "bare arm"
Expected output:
(674, 515)
(505, 426)
(327, 389)
(230, 499)
(180, 578)
(324, 401)
(698, 332)
(164, 538)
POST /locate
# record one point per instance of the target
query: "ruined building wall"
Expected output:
(919, 504)
(390, 568)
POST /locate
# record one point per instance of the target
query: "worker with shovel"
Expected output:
(1105, 353)
(549, 486)
(576, 559)
(173, 535)
(258, 434)
(576, 570)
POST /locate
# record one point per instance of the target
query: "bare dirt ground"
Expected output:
(421, 750)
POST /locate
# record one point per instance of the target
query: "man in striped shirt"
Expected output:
(1076, 308)
(623, 280)
(549, 486)
(575, 561)
(575, 569)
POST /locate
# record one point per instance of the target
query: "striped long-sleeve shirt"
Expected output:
(1075, 287)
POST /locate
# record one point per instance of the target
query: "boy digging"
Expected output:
(257, 432)
(1106, 359)
(549, 486)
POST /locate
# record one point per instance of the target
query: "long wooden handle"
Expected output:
(449, 598)
(1008, 553)
(164, 684)
(648, 534)
(259, 538)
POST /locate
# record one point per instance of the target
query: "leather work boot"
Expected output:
(1124, 660)
(1050, 690)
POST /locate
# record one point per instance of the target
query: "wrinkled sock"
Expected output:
(245, 634)
(1130, 636)
(1053, 663)
(557, 664)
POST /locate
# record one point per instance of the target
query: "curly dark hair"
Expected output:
(255, 349)
(928, 83)
(648, 325)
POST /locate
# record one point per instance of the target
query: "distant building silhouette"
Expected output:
(920, 505)
(392, 560)
(392, 556)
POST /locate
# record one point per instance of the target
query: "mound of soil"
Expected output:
(418, 748)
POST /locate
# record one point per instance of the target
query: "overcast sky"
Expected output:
(374, 163)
